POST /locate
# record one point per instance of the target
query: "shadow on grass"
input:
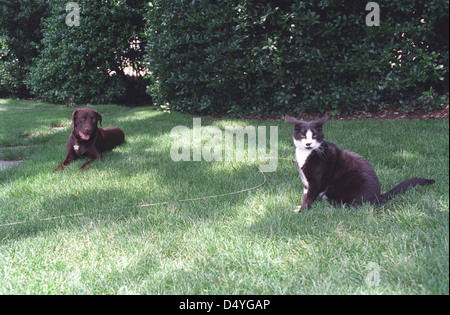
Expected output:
(140, 171)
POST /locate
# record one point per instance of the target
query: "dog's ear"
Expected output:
(98, 116)
(293, 120)
(74, 116)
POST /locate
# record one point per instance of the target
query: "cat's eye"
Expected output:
(303, 137)
(314, 136)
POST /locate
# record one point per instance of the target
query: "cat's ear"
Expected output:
(322, 120)
(293, 121)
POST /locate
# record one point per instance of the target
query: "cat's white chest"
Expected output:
(301, 155)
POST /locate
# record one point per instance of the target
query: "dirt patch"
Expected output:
(59, 128)
(5, 164)
(360, 115)
(35, 135)
(56, 128)
(386, 114)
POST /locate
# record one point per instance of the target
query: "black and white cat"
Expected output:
(337, 175)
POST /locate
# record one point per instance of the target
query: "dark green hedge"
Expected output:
(20, 39)
(85, 63)
(230, 56)
(278, 57)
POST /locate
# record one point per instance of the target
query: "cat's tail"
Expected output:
(405, 185)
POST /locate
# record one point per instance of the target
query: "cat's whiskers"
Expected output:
(320, 151)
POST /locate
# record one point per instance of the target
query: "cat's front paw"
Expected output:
(299, 209)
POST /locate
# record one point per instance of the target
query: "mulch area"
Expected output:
(385, 114)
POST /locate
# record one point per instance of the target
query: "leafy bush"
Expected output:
(86, 63)
(252, 56)
(20, 37)
(5, 77)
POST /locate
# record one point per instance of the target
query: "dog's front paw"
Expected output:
(299, 209)
(85, 166)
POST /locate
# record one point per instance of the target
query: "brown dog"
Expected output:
(87, 140)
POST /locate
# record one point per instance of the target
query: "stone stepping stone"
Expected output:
(6, 164)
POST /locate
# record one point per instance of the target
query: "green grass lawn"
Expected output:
(85, 232)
